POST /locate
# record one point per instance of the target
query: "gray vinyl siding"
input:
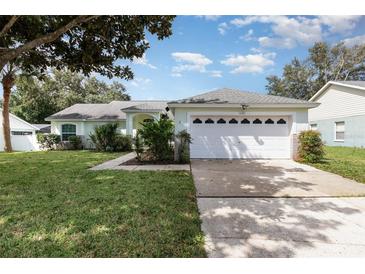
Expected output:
(354, 131)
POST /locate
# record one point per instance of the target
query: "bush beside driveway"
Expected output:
(53, 206)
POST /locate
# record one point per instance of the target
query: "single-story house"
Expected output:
(23, 135)
(81, 119)
(43, 128)
(224, 123)
(340, 117)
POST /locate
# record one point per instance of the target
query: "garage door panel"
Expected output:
(240, 141)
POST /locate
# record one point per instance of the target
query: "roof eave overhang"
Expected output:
(324, 88)
(141, 111)
(50, 119)
(303, 105)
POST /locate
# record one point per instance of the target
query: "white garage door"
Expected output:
(236, 137)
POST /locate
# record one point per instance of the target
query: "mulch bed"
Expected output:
(146, 160)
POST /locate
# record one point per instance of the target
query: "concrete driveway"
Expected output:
(246, 210)
(268, 178)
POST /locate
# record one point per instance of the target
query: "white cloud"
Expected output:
(248, 36)
(176, 74)
(288, 32)
(143, 61)
(222, 28)
(276, 42)
(251, 63)
(139, 81)
(209, 17)
(216, 73)
(340, 23)
(353, 41)
(190, 61)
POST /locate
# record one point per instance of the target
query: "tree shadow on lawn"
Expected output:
(109, 214)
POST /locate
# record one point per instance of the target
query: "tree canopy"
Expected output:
(85, 44)
(301, 79)
(33, 99)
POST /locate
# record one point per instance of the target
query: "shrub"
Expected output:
(75, 142)
(48, 141)
(157, 136)
(122, 143)
(310, 146)
(104, 137)
(138, 145)
(184, 139)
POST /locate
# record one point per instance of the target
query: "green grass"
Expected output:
(346, 161)
(52, 206)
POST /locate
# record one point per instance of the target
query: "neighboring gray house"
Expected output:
(340, 117)
(81, 119)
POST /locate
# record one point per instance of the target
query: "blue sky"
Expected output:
(209, 52)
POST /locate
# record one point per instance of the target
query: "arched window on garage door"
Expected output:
(281, 122)
(245, 121)
(257, 121)
(269, 121)
(67, 131)
(233, 121)
(209, 121)
(221, 121)
(197, 121)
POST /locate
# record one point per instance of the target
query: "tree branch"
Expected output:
(8, 25)
(47, 38)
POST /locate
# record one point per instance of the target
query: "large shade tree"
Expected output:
(85, 44)
(301, 79)
(33, 99)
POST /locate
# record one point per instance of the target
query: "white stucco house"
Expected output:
(224, 123)
(340, 117)
(23, 135)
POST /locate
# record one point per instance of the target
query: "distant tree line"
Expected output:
(301, 79)
(35, 99)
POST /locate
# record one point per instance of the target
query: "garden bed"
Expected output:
(135, 162)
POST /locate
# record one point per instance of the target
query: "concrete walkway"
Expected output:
(115, 164)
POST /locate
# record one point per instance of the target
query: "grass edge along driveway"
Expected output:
(348, 162)
(52, 206)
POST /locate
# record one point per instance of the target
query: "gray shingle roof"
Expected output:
(111, 111)
(232, 96)
(150, 106)
(352, 83)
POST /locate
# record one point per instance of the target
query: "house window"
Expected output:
(67, 131)
(221, 121)
(281, 122)
(245, 121)
(233, 121)
(21, 133)
(339, 131)
(197, 121)
(269, 121)
(209, 121)
(314, 127)
(257, 121)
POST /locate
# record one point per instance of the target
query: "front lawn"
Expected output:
(346, 161)
(52, 206)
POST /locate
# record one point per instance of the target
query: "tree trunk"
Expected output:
(8, 82)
